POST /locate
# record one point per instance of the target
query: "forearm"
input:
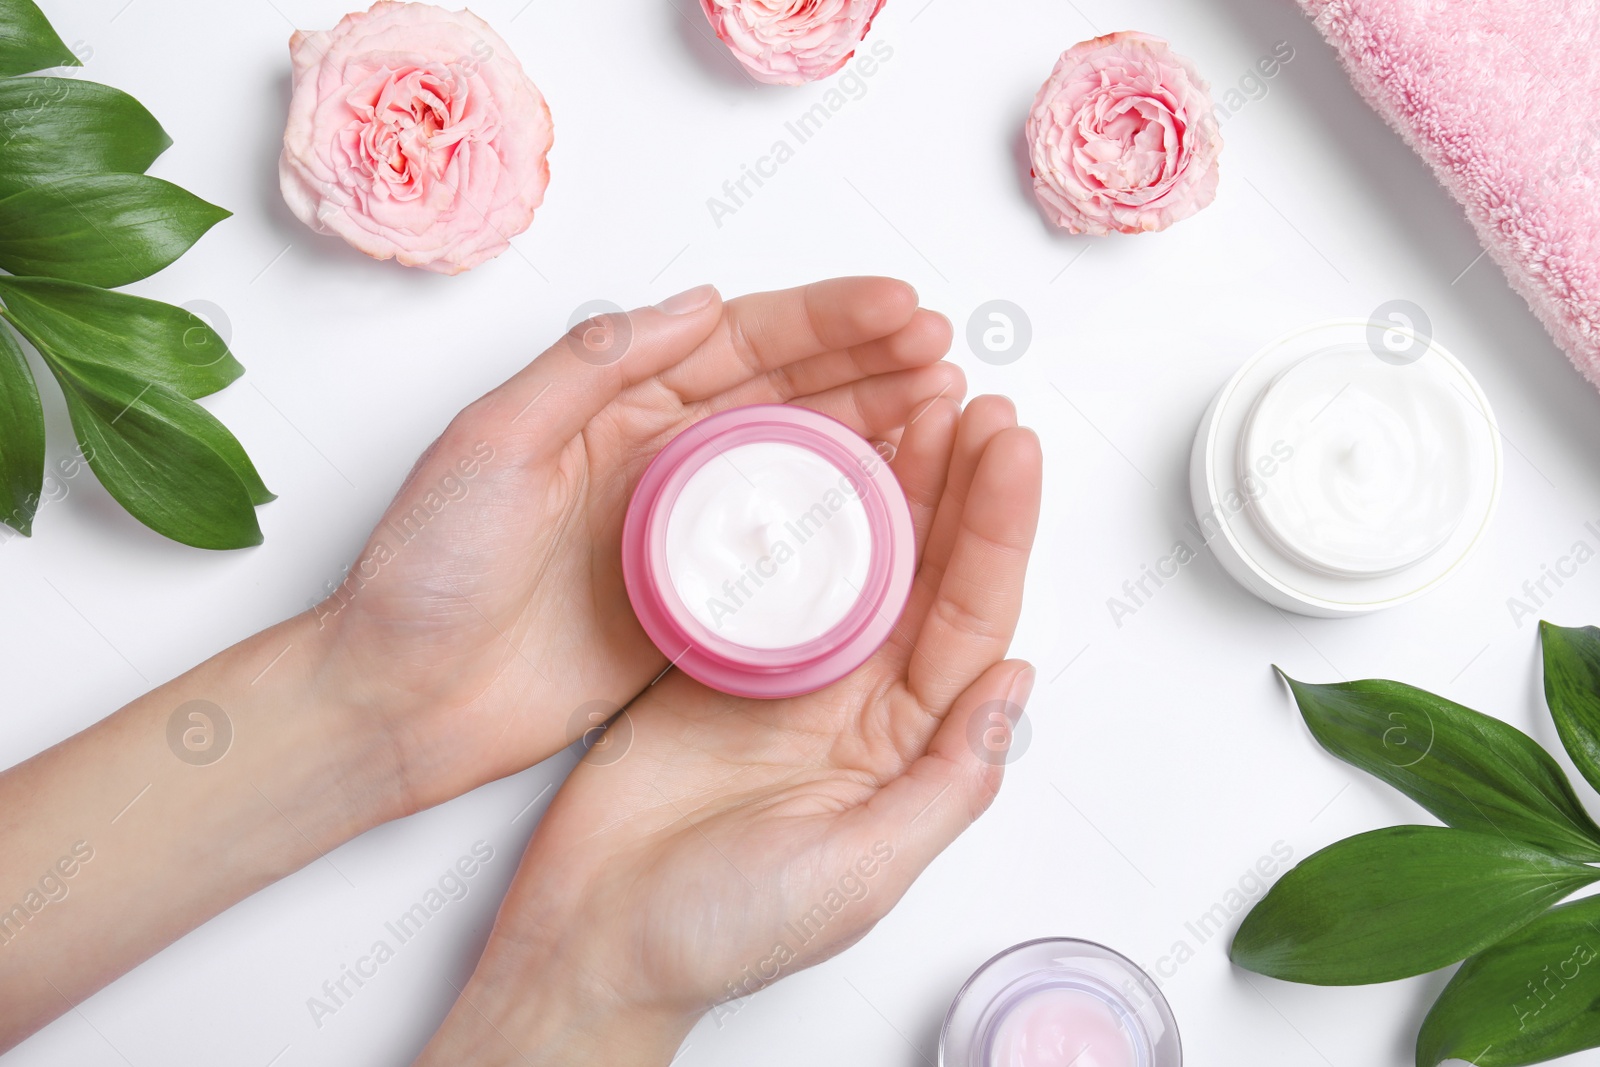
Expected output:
(120, 839)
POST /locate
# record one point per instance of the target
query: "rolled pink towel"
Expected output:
(1502, 98)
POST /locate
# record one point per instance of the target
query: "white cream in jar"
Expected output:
(768, 551)
(1331, 480)
(768, 545)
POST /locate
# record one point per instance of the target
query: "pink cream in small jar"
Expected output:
(768, 551)
(1060, 1002)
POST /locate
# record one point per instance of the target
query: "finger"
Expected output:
(764, 331)
(884, 402)
(923, 340)
(556, 395)
(971, 619)
(955, 777)
(984, 418)
(887, 444)
(923, 461)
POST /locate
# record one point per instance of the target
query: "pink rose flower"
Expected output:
(1122, 137)
(414, 134)
(791, 42)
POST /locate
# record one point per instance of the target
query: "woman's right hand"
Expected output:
(712, 844)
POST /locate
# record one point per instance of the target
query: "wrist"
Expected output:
(507, 1015)
(297, 735)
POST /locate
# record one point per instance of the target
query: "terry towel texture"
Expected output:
(1502, 99)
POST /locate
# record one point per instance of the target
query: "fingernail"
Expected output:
(1021, 688)
(688, 301)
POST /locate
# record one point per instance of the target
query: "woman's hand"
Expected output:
(711, 844)
(488, 607)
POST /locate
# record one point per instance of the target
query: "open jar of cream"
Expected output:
(768, 551)
(1347, 467)
(1057, 1002)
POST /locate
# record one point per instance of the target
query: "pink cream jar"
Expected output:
(768, 551)
(1060, 1002)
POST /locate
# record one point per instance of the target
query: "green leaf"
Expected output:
(165, 459)
(1397, 902)
(52, 128)
(105, 229)
(126, 389)
(21, 438)
(1528, 999)
(1572, 689)
(83, 327)
(1469, 769)
(27, 40)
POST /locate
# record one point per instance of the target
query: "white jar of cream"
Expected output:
(1347, 467)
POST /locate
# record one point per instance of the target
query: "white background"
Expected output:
(1164, 760)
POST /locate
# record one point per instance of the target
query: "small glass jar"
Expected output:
(1060, 1002)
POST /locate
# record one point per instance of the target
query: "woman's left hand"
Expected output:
(488, 610)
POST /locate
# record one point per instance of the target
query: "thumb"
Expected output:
(566, 386)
